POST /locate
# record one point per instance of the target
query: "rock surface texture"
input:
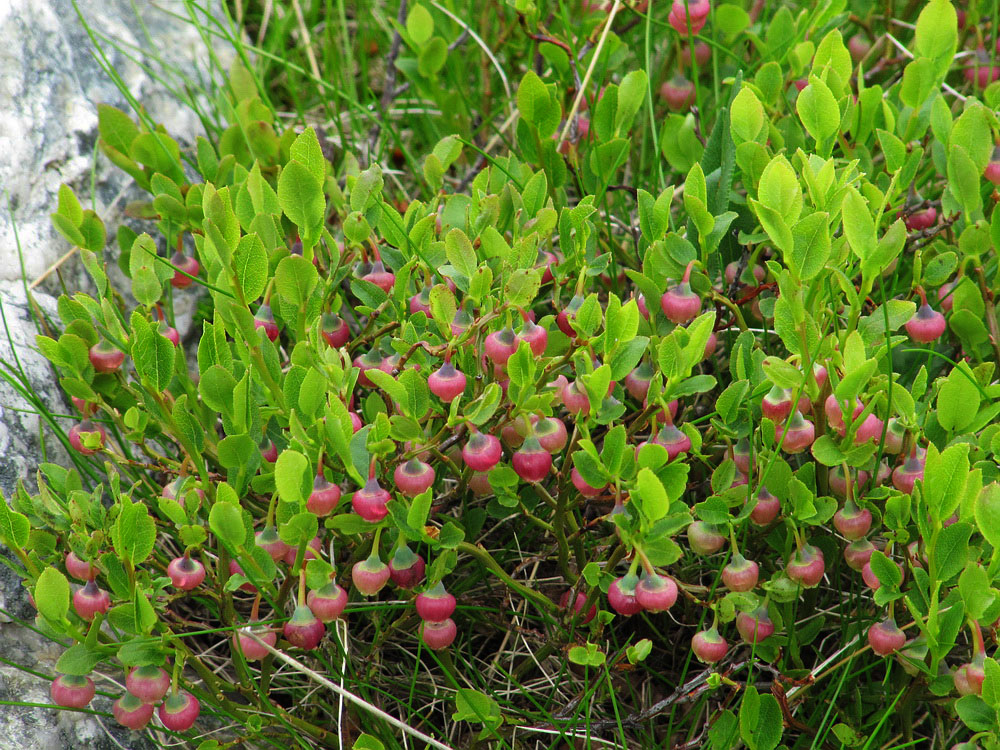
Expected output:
(50, 84)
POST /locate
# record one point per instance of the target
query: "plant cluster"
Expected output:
(753, 412)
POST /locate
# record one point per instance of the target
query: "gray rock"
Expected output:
(50, 85)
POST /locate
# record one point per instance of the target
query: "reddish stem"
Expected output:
(255, 609)
(978, 647)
